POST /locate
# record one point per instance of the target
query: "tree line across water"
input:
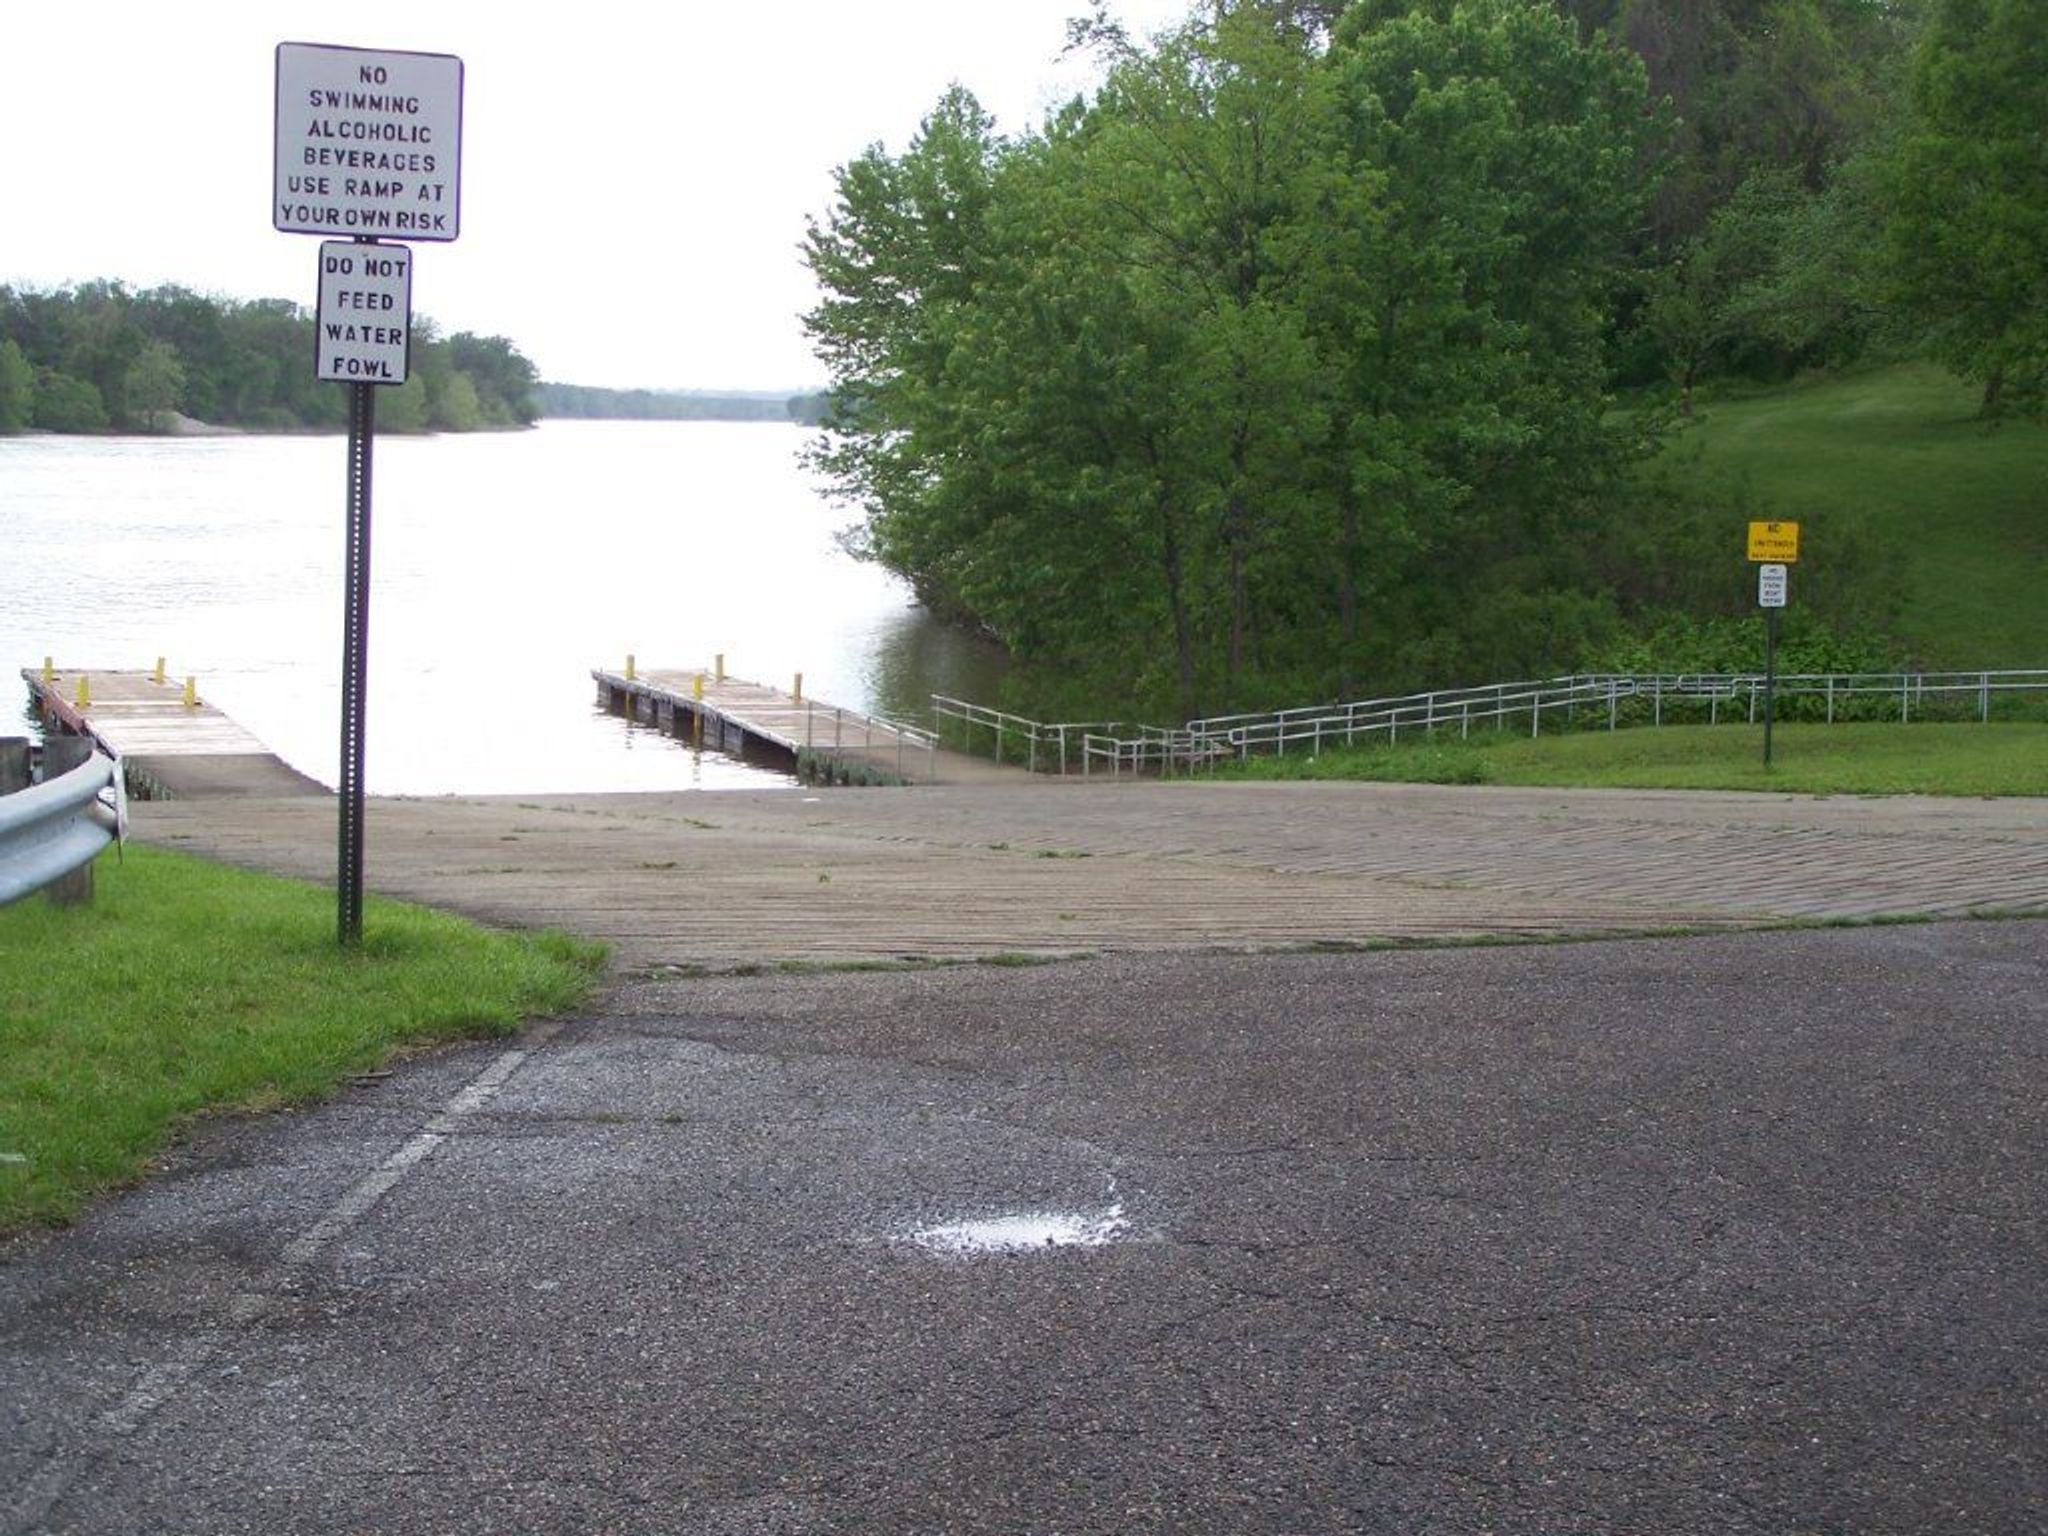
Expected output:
(1327, 348)
(98, 357)
(588, 402)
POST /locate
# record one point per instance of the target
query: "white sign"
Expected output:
(368, 143)
(364, 313)
(1770, 586)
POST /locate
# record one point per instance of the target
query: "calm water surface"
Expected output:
(504, 567)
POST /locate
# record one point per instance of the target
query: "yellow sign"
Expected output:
(1777, 543)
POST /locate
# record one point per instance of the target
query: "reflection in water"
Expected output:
(912, 656)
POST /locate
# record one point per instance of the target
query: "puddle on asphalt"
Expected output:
(1027, 1232)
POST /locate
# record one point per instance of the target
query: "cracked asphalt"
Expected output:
(1730, 1233)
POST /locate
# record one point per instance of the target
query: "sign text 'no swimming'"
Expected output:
(367, 148)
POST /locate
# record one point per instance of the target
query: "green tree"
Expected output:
(17, 387)
(102, 343)
(1500, 158)
(403, 409)
(246, 363)
(1969, 227)
(504, 380)
(198, 329)
(1820, 301)
(1707, 302)
(155, 385)
(901, 258)
(457, 409)
(66, 404)
(1754, 85)
(1183, 390)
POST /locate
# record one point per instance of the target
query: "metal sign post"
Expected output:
(367, 143)
(355, 663)
(1772, 547)
(1770, 596)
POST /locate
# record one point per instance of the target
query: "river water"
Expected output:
(504, 567)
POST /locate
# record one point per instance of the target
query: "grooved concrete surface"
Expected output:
(720, 880)
(1738, 1233)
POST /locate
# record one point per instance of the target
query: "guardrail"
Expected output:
(1609, 700)
(54, 828)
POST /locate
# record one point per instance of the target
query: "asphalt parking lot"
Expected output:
(1741, 1232)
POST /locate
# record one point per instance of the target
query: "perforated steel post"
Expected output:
(1770, 678)
(355, 649)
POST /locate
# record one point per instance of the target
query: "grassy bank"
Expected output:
(1896, 456)
(1864, 759)
(187, 987)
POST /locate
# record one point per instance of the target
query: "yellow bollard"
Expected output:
(83, 698)
(191, 693)
(630, 674)
(157, 676)
(697, 714)
(49, 672)
(796, 690)
(718, 666)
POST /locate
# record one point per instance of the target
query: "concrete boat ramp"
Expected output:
(1010, 864)
(1046, 868)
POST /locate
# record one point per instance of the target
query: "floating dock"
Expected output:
(819, 741)
(173, 744)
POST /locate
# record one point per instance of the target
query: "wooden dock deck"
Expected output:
(172, 750)
(821, 740)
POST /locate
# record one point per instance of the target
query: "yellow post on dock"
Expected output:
(83, 697)
(697, 714)
(796, 689)
(191, 693)
(157, 676)
(630, 674)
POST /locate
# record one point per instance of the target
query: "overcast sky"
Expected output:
(635, 177)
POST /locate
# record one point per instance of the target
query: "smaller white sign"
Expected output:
(1770, 586)
(365, 312)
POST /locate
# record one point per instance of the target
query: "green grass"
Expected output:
(187, 987)
(1861, 759)
(1897, 456)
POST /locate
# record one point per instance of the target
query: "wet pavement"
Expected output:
(1728, 1233)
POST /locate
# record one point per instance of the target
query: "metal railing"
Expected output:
(1054, 746)
(846, 736)
(1578, 701)
(51, 829)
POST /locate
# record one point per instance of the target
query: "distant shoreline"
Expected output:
(585, 402)
(190, 428)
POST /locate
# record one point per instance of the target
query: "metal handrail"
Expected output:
(1059, 737)
(844, 746)
(1555, 703)
(51, 829)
